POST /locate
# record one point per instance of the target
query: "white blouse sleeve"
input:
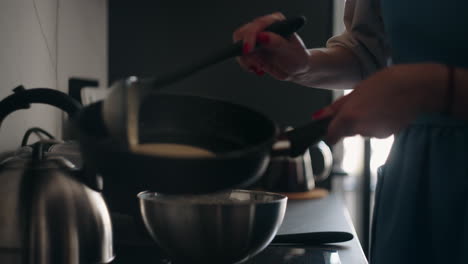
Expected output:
(364, 35)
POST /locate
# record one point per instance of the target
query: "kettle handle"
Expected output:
(22, 99)
(327, 157)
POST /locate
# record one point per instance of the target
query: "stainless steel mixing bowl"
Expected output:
(227, 227)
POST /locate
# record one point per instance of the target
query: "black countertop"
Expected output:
(326, 214)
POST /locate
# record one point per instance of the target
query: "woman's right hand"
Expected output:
(281, 58)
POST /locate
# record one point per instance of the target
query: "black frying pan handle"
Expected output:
(284, 28)
(22, 98)
(300, 139)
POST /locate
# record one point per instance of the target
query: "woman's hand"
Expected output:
(387, 102)
(281, 58)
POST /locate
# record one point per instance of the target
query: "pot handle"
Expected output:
(298, 140)
(22, 99)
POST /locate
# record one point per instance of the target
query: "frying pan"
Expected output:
(242, 138)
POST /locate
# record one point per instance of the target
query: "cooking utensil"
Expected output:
(50, 210)
(226, 227)
(120, 110)
(242, 139)
(313, 238)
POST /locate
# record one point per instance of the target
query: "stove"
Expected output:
(271, 255)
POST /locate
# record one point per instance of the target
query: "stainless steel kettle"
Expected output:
(51, 211)
(299, 174)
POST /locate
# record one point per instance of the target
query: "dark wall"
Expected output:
(148, 36)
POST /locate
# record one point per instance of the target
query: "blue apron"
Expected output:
(421, 209)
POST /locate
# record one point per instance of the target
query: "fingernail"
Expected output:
(263, 38)
(260, 72)
(246, 48)
(318, 114)
(257, 71)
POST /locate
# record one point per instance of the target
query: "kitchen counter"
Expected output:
(326, 214)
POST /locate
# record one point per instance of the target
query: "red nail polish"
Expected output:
(318, 114)
(246, 48)
(253, 69)
(263, 38)
(257, 71)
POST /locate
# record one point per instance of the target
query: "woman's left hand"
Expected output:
(387, 102)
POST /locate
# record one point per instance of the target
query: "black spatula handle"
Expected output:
(313, 238)
(287, 27)
(283, 28)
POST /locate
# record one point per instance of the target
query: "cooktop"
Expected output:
(271, 255)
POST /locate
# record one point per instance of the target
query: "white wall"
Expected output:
(42, 44)
(338, 12)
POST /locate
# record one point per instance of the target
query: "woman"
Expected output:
(408, 64)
